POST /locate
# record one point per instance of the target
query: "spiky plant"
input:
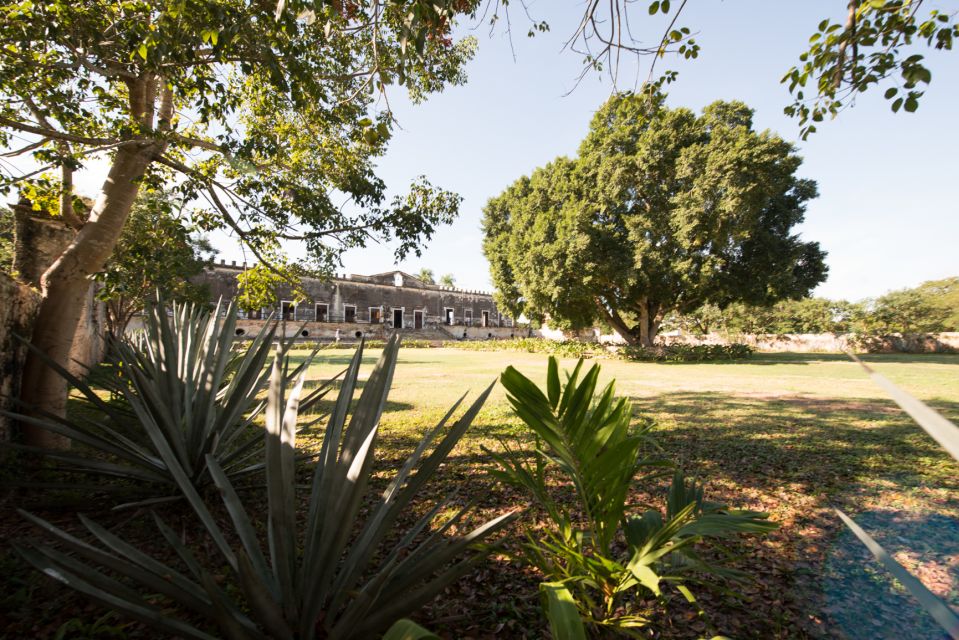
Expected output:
(183, 391)
(339, 576)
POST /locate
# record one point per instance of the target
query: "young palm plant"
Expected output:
(599, 559)
(332, 575)
(183, 392)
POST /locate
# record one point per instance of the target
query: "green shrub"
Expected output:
(687, 352)
(339, 571)
(610, 563)
(185, 393)
(568, 349)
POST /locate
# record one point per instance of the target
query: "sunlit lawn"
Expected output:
(791, 434)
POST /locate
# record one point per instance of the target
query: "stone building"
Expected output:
(376, 304)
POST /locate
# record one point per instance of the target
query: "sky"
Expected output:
(888, 210)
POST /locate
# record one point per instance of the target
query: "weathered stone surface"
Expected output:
(18, 306)
(379, 299)
(40, 239)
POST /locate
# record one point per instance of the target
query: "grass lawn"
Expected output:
(792, 434)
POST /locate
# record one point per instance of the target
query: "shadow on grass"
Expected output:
(795, 457)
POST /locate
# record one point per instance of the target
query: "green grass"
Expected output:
(792, 434)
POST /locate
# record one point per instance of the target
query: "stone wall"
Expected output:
(365, 296)
(40, 239)
(18, 306)
(946, 342)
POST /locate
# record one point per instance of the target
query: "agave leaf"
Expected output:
(280, 442)
(397, 496)
(348, 476)
(140, 612)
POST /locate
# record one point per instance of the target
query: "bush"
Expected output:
(184, 393)
(597, 554)
(341, 570)
(687, 352)
(568, 349)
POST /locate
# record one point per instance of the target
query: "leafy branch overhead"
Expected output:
(270, 121)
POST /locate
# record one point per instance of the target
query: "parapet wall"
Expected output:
(945, 342)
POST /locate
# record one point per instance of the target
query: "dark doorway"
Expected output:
(349, 313)
(288, 310)
(322, 311)
(376, 315)
(448, 316)
(417, 319)
(486, 318)
(397, 318)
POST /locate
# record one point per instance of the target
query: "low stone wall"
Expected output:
(350, 331)
(946, 342)
(18, 306)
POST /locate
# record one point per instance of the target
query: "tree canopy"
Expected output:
(662, 210)
(269, 114)
(157, 253)
(447, 280)
(426, 275)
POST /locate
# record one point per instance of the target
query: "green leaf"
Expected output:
(408, 630)
(560, 607)
(654, 7)
(890, 92)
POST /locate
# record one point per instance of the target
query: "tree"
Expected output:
(257, 287)
(447, 280)
(903, 311)
(264, 114)
(157, 252)
(426, 275)
(874, 45)
(6, 239)
(944, 294)
(661, 211)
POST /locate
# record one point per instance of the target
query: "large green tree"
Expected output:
(661, 211)
(158, 252)
(267, 112)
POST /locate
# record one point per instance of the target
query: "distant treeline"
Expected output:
(929, 308)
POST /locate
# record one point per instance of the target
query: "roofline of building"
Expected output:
(355, 279)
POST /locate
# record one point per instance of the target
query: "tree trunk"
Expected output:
(65, 284)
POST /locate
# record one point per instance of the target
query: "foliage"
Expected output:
(586, 438)
(447, 280)
(661, 211)
(258, 286)
(426, 275)
(687, 352)
(567, 349)
(187, 397)
(943, 294)
(6, 239)
(872, 48)
(157, 252)
(264, 114)
(917, 310)
(343, 576)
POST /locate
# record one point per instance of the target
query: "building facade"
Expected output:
(393, 300)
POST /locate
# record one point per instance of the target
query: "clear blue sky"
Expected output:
(888, 211)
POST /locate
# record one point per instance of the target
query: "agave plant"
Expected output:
(598, 557)
(185, 393)
(338, 576)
